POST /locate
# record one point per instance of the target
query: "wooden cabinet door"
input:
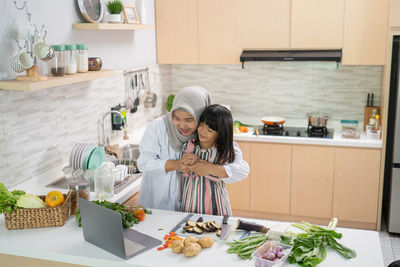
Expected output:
(219, 31)
(312, 181)
(394, 13)
(365, 32)
(176, 31)
(270, 177)
(239, 192)
(356, 184)
(317, 23)
(265, 24)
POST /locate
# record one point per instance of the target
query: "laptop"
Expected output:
(103, 227)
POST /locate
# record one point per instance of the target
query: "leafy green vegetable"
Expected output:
(169, 102)
(238, 123)
(309, 249)
(128, 219)
(8, 200)
(30, 201)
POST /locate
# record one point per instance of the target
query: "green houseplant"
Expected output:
(115, 7)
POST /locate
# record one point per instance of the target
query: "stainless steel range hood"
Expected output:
(290, 55)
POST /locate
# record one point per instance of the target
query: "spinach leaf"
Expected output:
(8, 200)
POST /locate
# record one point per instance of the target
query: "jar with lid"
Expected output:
(82, 57)
(79, 188)
(70, 59)
(57, 65)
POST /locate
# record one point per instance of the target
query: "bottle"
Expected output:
(372, 118)
(70, 59)
(57, 65)
(82, 57)
(80, 189)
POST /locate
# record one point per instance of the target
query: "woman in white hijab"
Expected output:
(160, 149)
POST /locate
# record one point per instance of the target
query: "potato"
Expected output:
(192, 249)
(190, 239)
(206, 241)
(177, 246)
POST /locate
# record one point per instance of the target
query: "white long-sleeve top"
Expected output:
(160, 189)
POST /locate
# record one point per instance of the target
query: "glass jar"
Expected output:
(70, 59)
(82, 57)
(57, 65)
(79, 188)
(103, 183)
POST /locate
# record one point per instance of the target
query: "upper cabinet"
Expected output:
(317, 23)
(265, 24)
(365, 32)
(177, 35)
(215, 32)
(219, 31)
(394, 13)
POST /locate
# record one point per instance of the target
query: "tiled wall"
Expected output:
(39, 128)
(288, 89)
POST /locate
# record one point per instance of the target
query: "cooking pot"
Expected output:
(317, 119)
(270, 120)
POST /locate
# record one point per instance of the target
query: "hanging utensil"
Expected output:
(151, 98)
(136, 101)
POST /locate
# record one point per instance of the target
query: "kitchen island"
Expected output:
(66, 244)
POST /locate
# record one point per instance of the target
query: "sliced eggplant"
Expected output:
(205, 227)
(214, 225)
(197, 230)
(219, 233)
(200, 219)
(188, 229)
(191, 223)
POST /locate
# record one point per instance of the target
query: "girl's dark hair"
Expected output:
(219, 118)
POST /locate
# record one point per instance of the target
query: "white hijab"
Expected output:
(192, 99)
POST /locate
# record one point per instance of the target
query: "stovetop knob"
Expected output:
(287, 133)
(298, 133)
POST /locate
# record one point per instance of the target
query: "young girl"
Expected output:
(205, 158)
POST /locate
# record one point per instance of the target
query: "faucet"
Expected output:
(103, 139)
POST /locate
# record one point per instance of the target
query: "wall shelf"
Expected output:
(55, 81)
(112, 26)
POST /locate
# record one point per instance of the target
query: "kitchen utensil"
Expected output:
(26, 60)
(372, 99)
(92, 10)
(225, 230)
(15, 64)
(151, 100)
(271, 120)
(317, 119)
(43, 51)
(368, 97)
(181, 222)
(134, 89)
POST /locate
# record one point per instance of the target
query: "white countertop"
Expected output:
(66, 244)
(337, 140)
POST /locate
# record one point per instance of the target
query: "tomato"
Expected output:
(139, 214)
(243, 129)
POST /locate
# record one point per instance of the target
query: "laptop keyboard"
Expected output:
(132, 247)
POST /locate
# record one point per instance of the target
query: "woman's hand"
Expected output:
(189, 159)
(204, 168)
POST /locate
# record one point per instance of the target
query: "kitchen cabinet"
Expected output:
(219, 31)
(309, 182)
(177, 31)
(312, 181)
(356, 184)
(265, 24)
(365, 32)
(239, 193)
(270, 177)
(394, 13)
(317, 23)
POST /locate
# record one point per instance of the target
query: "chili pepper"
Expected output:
(168, 240)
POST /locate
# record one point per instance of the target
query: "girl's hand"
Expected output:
(189, 159)
(202, 168)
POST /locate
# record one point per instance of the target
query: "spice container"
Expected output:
(79, 188)
(57, 65)
(70, 59)
(82, 57)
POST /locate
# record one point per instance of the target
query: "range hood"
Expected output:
(290, 55)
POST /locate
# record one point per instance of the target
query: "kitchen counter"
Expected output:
(337, 140)
(66, 244)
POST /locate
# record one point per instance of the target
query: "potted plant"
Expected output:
(114, 7)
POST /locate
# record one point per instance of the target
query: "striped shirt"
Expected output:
(203, 194)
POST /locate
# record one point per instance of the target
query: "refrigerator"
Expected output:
(392, 157)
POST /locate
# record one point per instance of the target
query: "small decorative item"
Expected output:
(131, 15)
(95, 64)
(114, 7)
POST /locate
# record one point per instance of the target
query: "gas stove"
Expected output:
(313, 132)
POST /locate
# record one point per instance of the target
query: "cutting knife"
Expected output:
(181, 222)
(225, 230)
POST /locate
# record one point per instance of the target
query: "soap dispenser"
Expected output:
(116, 121)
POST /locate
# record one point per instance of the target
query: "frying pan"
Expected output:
(271, 120)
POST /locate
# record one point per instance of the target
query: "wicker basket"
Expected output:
(41, 217)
